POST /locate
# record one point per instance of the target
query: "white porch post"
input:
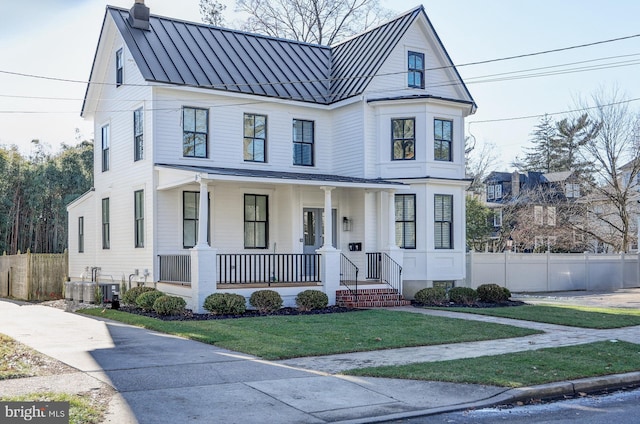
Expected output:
(392, 249)
(330, 268)
(203, 258)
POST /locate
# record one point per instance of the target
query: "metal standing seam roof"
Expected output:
(199, 55)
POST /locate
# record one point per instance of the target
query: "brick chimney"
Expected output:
(515, 183)
(139, 15)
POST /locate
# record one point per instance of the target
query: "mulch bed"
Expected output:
(471, 305)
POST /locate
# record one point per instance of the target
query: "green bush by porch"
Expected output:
(281, 337)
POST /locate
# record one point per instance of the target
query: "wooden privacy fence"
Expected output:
(548, 272)
(33, 276)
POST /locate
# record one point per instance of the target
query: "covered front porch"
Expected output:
(269, 230)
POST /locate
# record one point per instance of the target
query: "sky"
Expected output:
(58, 38)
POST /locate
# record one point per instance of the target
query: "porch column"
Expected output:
(203, 215)
(391, 224)
(328, 219)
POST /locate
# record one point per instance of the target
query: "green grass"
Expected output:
(81, 409)
(523, 368)
(14, 359)
(281, 337)
(574, 316)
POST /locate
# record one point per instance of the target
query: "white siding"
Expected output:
(78, 261)
(348, 140)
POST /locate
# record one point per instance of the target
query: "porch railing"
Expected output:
(236, 268)
(381, 266)
(349, 274)
(175, 268)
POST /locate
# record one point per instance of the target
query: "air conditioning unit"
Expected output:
(110, 292)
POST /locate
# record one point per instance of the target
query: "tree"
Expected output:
(616, 155)
(573, 135)
(313, 21)
(545, 155)
(478, 162)
(211, 12)
(479, 223)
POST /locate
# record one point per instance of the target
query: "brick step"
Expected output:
(375, 304)
(366, 291)
(369, 297)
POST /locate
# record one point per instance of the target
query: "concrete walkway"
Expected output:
(166, 379)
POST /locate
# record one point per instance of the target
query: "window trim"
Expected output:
(256, 221)
(194, 132)
(105, 134)
(439, 244)
(441, 141)
(403, 139)
(414, 70)
(303, 142)
(138, 218)
(119, 67)
(138, 137)
(81, 234)
(403, 222)
(254, 138)
(106, 230)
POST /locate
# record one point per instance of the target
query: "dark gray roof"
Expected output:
(204, 56)
(256, 173)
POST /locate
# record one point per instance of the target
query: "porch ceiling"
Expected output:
(176, 175)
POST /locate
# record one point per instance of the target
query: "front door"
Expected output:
(313, 226)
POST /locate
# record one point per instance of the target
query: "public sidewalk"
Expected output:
(165, 379)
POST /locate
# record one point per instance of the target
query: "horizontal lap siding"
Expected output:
(348, 141)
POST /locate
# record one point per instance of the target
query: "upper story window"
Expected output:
(138, 134)
(195, 132)
(443, 137)
(119, 68)
(105, 148)
(415, 70)
(403, 138)
(406, 220)
(572, 190)
(255, 137)
(443, 221)
(497, 218)
(498, 191)
(491, 192)
(303, 133)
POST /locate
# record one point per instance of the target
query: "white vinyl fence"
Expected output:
(548, 272)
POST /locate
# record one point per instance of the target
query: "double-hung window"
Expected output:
(106, 240)
(80, 234)
(255, 137)
(195, 132)
(415, 70)
(406, 220)
(105, 134)
(256, 221)
(119, 68)
(191, 218)
(403, 138)
(443, 230)
(303, 134)
(138, 134)
(138, 199)
(442, 139)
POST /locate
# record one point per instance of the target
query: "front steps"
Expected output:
(370, 298)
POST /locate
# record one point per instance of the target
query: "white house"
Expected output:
(274, 142)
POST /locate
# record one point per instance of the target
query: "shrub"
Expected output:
(507, 293)
(266, 301)
(169, 305)
(463, 295)
(492, 293)
(132, 294)
(432, 296)
(147, 299)
(225, 304)
(311, 299)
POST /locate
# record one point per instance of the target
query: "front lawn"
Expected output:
(282, 337)
(574, 316)
(522, 369)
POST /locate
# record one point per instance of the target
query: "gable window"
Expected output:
(138, 199)
(415, 70)
(406, 220)
(119, 68)
(303, 142)
(191, 218)
(138, 134)
(490, 192)
(403, 138)
(498, 191)
(106, 241)
(255, 137)
(80, 234)
(572, 190)
(443, 136)
(256, 221)
(443, 231)
(105, 148)
(195, 132)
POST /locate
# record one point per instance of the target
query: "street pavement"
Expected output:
(160, 378)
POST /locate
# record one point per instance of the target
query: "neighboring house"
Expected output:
(534, 211)
(233, 161)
